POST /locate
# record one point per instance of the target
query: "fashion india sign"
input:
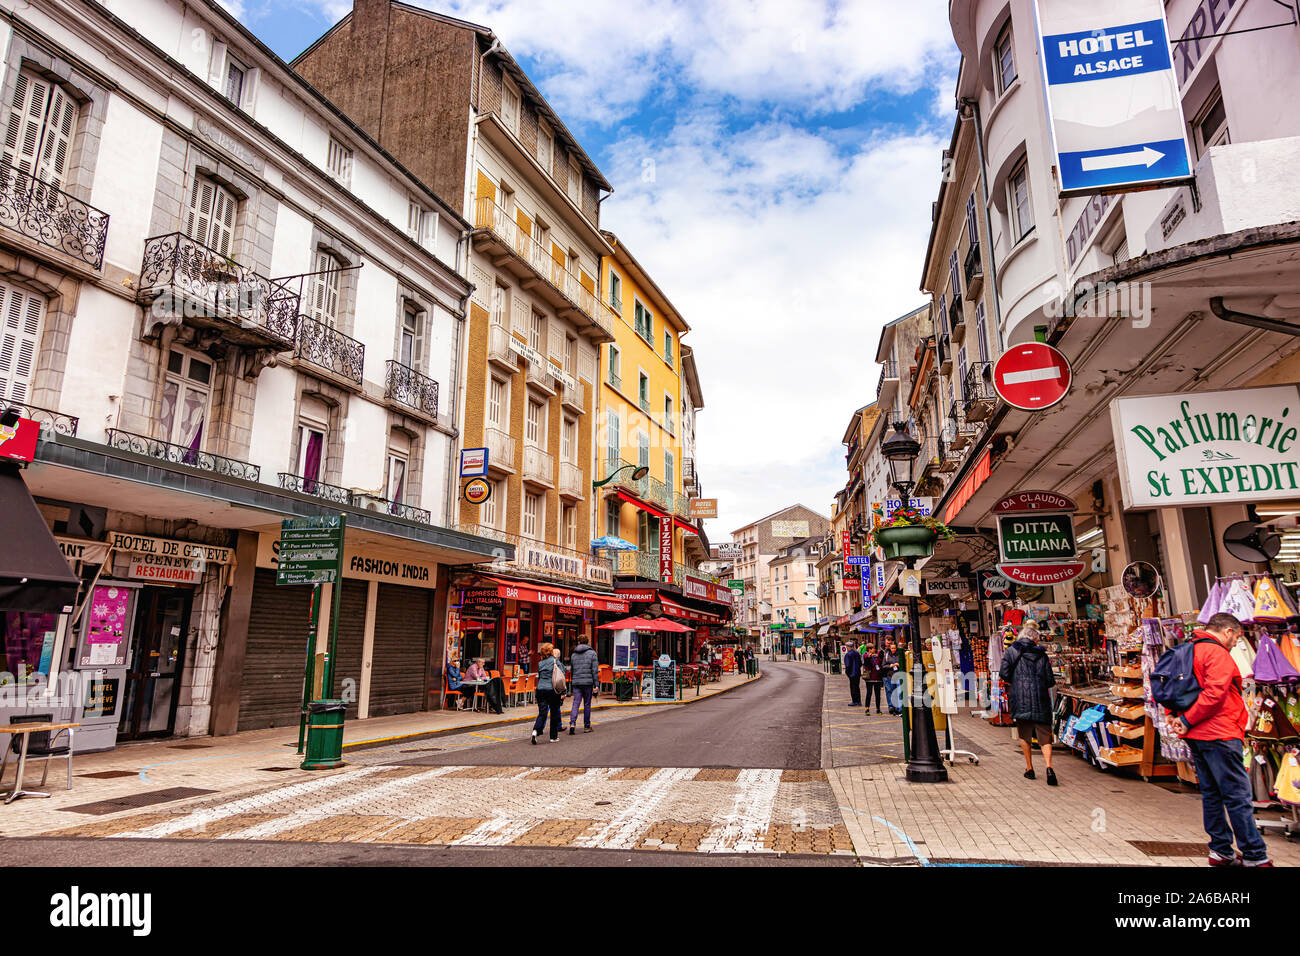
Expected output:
(1208, 448)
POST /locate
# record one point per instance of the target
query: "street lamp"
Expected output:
(901, 449)
(639, 473)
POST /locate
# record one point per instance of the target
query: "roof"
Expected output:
(643, 278)
(692, 376)
(777, 514)
(886, 332)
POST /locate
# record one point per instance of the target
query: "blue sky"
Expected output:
(773, 163)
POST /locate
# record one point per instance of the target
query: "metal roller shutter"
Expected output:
(401, 650)
(352, 635)
(270, 694)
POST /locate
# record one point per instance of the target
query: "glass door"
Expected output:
(155, 663)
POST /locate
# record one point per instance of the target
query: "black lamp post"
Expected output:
(925, 766)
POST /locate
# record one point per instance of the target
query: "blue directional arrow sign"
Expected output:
(1112, 95)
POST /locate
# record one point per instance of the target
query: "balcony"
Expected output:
(978, 397)
(539, 467)
(51, 422)
(184, 281)
(501, 450)
(501, 238)
(931, 457)
(943, 345)
(571, 483)
(523, 544)
(690, 480)
(316, 488)
(660, 494)
(409, 389)
(959, 434)
(682, 506)
(538, 375)
(635, 564)
(624, 470)
(949, 458)
(499, 350)
(957, 320)
(574, 398)
(974, 271)
(396, 509)
(887, 387)
(147, 447)
(614, 380)
(341, 357)
(51, 217)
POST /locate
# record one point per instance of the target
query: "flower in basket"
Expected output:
(908, 517)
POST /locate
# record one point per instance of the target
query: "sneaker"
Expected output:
(534, 740)
(1029, 774)
(1264, 862)
(1051, 777)
(586, 730)
(554, 739)
(1217, 860)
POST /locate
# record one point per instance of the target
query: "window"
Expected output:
(1211, 124)
(972, 221)
(536, 331)
(500, 304)
(497, 400)
(313, 417)
(613, 438)
(981, 333)
(571, 356)
(40, 129)
(1004, 60)
(668, 348)
(647, 533)
(210, 220)
(22, 313)
(1022, 217)
(411, 349)
(533, 516)
(545, 146)
(615, 292)
(571, 528)
(421, 223)
(323, 305)
(954, 273)
(643, 391)
(575, 182)
(509, 105)
(396, 488)
(535, 424)
(613, 509)
(569, 441)
(235, 74)
(643, 322)
(339, 162)
(186, 390)
(615, 367)
(943, 315)
(643, 449)
(488, 512)
(670, 471)
(668, 415)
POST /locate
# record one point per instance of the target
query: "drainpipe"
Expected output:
(1254, 321)
(986, 238)
(453, 457)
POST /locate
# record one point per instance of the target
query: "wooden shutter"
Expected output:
(60, 127)
(26, 121)
(210, 219)
(325, 293)
(22, 313)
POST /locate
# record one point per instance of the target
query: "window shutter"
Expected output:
(325, 295)
(57, 145)
(421, 320)
(198, 220)
(26, 119)
(22, 314)
(223, 220)
(251, 80)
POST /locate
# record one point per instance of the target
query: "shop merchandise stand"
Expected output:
(951, 753)
(1288, 826)
(1128, 688)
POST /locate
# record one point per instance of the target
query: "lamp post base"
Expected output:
(926, 774)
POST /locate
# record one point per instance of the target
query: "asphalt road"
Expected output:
(773, 723)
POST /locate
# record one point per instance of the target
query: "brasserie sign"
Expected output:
(1206, 448)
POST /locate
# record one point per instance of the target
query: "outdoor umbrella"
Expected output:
(611, 543)
(644, 624)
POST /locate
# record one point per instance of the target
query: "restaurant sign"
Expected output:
(1205, 448)
(891, 615)
(947, 586)
(168, 548)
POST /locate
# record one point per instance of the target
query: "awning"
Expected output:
(556, 596)
(689, 614)
(685, 526)
(33, 573)
(645, 624)
(644, 506)
(821, 631)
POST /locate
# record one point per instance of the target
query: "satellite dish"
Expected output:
(1247, 541)
(1140, 580)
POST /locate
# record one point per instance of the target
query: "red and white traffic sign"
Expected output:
(1032, 376)
(1042, 574)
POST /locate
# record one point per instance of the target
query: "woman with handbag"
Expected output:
(551, 683)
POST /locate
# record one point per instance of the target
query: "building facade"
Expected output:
(760, 542)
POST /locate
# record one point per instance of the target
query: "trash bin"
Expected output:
(835, 665)
(324, 734)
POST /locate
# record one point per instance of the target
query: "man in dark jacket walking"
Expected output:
(1215, 730)
(853, 668)
(1028, 674)
(584, 668)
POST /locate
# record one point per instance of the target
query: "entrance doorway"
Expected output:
(154, 666)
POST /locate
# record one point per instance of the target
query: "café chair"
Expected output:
(40, 744)
(605, 676)
(479, 691)
(451, 693)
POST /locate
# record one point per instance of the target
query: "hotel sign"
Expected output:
(530, 558)
(1206, 448)
(168, 548)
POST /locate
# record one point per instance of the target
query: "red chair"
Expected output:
(450, 693)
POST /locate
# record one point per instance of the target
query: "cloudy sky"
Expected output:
(773, 162)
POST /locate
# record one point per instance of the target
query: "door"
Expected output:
(155, 663)
(401, 650)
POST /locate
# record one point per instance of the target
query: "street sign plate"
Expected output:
(1036, 537)
(1113, 100)
(1032, 376)
(1042, 574)
(311, 551)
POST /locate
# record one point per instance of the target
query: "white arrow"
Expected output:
(1146, 156)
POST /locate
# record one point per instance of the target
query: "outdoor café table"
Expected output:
(473, 685)
(26, 730)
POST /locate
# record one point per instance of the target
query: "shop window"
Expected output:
(28, 646)
(186, 395)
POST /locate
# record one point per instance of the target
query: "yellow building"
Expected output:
(645, 419)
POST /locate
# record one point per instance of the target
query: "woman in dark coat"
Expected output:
(1027, 673)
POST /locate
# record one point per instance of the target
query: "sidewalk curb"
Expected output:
(471, 728)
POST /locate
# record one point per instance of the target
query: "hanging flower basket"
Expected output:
(916, 541)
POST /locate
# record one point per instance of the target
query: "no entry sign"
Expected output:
(1032, 376)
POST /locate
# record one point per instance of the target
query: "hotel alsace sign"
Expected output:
(1200, 449)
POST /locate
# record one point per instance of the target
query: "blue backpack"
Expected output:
(1173, 680)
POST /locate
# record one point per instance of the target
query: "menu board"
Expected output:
(621, 655)
(108, 625)
(665, 679)
(728, 658)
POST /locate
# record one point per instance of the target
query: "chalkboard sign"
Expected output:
(665, 680)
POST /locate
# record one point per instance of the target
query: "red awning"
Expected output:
(557, 597)
(686, 526)
(648, 508)
(689, 614)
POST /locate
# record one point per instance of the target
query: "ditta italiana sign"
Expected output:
(1207, 448)
(1036, 537)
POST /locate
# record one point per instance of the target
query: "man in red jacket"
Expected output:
(1216, 728)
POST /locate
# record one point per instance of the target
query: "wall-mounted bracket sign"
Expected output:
(473, 462)
(477, 491)
(1034, 501)
(1043, 574)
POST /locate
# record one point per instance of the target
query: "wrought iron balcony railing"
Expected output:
(148, 447)
(660, 494)
(405, 385)
(184, 276)
(316, 488)
(978, 395)
(888, 372)
(682, 506)
(397, 509)
(956, 314)
(51, 422)
(624, 470)
(973, 267)
(52, 217)
(639, 564)
(328, 348)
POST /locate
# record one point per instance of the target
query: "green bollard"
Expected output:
(324, 735)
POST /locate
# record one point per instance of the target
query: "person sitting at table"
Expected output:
(454, 680)
(476, 671)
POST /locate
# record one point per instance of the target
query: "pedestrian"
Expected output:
(1215, 729)
(853, 668)
(584, 674)
(548, 700)
(871, 675)
(888, 668)
(1027, 674)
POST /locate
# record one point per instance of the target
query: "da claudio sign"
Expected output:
(1207, 448)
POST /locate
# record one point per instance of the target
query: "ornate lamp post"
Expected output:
(925, 766)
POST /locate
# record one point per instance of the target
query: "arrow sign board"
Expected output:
(1032, 376)
(1113, 100)
(1042, 574)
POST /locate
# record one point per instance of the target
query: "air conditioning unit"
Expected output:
(368, 501)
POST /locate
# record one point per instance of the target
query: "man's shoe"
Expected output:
(1029, 774)
(1264, 862)
(534, 740)
(1217, 860)
(1051, 777)
(586, 730)
(571, 731)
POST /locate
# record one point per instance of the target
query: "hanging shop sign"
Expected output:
(923, 505)
(1043, 574)
(477, 491)
(1032, 376)
(1112, 96)
(1034, 501)
(18, 441)
(78, 549)
(169, 548)
(911, 580)
(703, 507)
(666, 552)
(947, 586)
(851, 583)
(891, 615)
(1036, 537)
(1207, 448)
(855, 560)
(730, 550)
(993, 586)
(473, 462)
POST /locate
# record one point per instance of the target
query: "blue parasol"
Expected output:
(611, 543)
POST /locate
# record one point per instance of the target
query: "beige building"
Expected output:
(761, 541)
